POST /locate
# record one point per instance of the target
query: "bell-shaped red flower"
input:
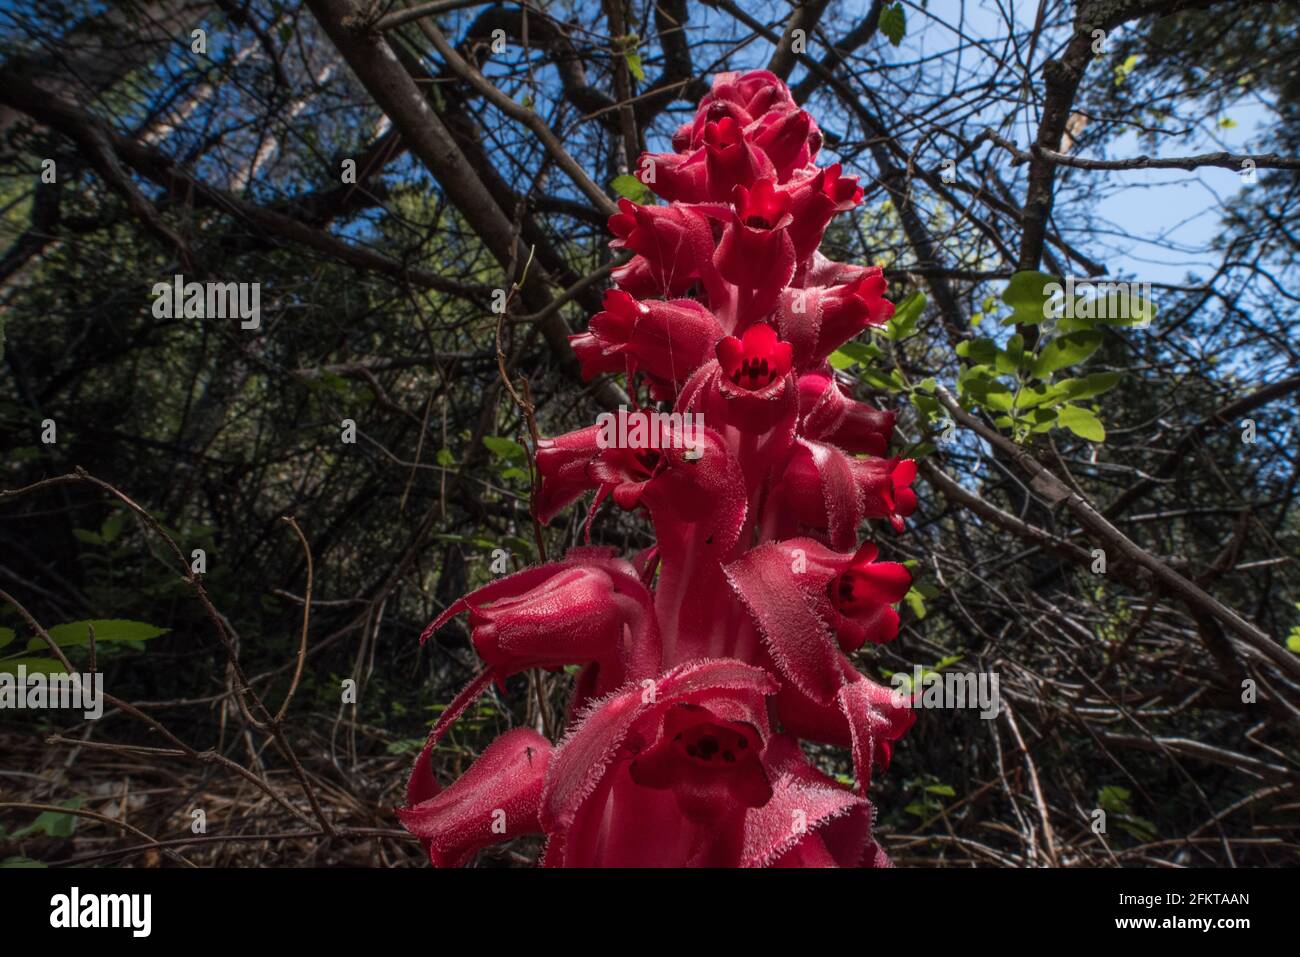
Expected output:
(675, 243)
(885, 487)
(644, 778)
(756, 251)
(677, 177)
(744, 98)
(828, 415)
(787, 140)
(757, 363)
(864, 717)
(813, 203)
(497, 799)
(577, 462)
(863, 595)
(819, 319)
(731, 159)
(666, 341)
(794, 591)
(749, 390)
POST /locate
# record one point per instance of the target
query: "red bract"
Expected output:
(703, 664)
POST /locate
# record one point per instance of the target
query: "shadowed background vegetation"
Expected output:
(1123, 690)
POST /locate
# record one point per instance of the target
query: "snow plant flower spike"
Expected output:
(704, 662)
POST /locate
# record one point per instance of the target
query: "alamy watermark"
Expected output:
(650, 430)
(1086, 299)
(75, 909)
(928, 689)
(179, 299)
(37, 691)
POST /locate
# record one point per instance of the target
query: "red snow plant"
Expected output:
(705, 659)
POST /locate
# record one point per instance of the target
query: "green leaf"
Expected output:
(1138, 828)
(6, 636)
(915, 601)
(112, 527)
(1082, 423)
(1033, 396)
(634, 65)
(1088, 386)
(889, 383)
(1027, 296)
(893, 24)
(863, 352)
(1124, 69)
(981, 351)
(854, 353)
(1114, 799)
(1141, 311)
(445, 458)
(985, 390)
(20, 862)
(106, 629)
(903, 322)
(1040, 420)
(87, 536)
(943, 790)
(1008, 361)
(504, 448)
(840, 360)
(629, 187)
(1065, 351)
(52, 823)
(926, 404)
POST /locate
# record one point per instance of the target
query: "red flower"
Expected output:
(731, 159)
(862, 595)
(885, 487)
(827, 414)
(666, 341)
(755, 363)
(756, 251)
(644, 777)
(496, 799)
(820, 319)
(788, 141)
(801, 598)
(575, 463)
(749, 391)
(814, 201)
(742, 97)
(673, 242)
(678, 177)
